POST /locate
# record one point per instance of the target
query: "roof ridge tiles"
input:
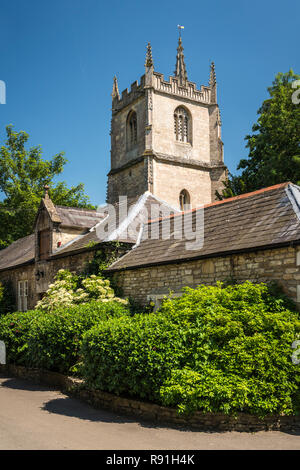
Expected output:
(224, 201)
(82, 209)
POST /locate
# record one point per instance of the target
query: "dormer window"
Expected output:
(182, 125)
(131, 130)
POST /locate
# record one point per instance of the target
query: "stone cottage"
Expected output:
(166, 165)
(255, 236)
(68, 238)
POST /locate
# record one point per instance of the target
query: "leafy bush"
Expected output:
(69, 289)
(215, 349)
(132, 355)
(14, 331)
(7, 298)
(54, 340)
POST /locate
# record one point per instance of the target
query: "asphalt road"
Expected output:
(36, 417)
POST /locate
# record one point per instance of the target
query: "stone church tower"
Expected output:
(166, 138)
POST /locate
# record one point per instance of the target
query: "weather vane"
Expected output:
(179, 29)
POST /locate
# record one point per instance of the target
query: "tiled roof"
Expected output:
(264, 218)
(76, 217)
(19, 252)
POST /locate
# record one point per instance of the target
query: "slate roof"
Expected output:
(19, 252)
(22, 250)
(264, 218)
(51, 209)
(74, 216)
(129, 215)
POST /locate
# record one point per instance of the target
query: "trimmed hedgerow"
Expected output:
(52, 340)
(220, 349)
(132, 355)
(7, 298)
(14, 331)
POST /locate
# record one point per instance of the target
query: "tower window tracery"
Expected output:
(182, 125)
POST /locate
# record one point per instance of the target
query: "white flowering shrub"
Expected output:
(69, 289)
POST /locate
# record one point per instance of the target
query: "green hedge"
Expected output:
(52, 340)
(7, 298)
(14, 331)
(131, 356)
(213, 349)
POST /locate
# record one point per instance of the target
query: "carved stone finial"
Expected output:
(180, 69)
(115, 90)
(213, 83)
(149, 60)
(212, 75)
(46, 188)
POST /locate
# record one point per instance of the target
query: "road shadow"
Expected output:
(293, 432)
(75, 408)
(22, 384)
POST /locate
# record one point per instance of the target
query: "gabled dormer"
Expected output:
(47, 224)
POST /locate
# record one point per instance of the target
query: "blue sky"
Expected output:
(58, 59)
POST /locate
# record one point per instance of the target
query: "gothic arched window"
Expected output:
(182, 125)
(131, 130)
(184, 200)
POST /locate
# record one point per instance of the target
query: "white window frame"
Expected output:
(23, 295)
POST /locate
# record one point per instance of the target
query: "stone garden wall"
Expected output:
(152, 283)
(146, 411)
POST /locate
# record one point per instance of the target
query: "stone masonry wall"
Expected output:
(120, 153)
(163, 128)
(37, 286)
(151, 283)
(24, 273)
(75, 263)
(130, 182)
(170, 180)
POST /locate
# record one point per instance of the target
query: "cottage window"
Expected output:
(22, 296)
(182, 125)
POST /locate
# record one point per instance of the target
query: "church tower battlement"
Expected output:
(166, 137)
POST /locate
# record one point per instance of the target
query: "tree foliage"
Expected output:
(7, 298)
(274, 145)
(23, 175)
